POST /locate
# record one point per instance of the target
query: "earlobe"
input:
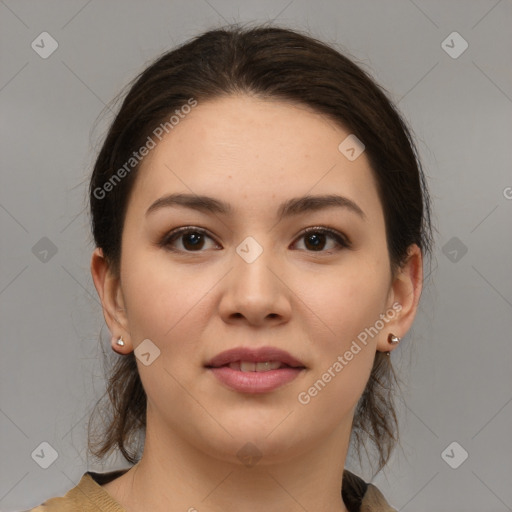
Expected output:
(405, 292)
(108, 288)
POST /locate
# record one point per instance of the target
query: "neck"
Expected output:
(173, 472)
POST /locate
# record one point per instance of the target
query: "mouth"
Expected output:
(249, 370)
(251, 366)
(262, 359)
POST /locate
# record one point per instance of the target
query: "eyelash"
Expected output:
(341, 240)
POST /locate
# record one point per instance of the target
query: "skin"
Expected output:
(253, 154)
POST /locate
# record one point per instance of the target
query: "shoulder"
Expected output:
(88, 496)
(360, 496)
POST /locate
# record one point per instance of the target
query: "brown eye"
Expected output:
(316, 239)
(192, 240)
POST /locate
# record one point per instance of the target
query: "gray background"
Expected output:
(455, 362)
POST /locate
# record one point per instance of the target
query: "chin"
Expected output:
(271, 444)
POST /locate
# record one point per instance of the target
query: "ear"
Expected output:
(110, 293)
(404, 297)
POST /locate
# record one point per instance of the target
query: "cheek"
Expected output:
(348, 300)
(169, 308)
(350, 309)
(345, 352)
(165, 303)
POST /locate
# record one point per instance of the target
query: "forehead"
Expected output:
(248, 151)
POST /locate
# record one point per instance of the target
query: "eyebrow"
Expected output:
(291, 207)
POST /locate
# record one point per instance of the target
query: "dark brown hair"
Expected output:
(271, 63)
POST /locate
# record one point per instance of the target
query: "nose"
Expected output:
(255, 293)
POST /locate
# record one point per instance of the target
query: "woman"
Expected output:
(261, 220)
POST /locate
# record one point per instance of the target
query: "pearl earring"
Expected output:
(120, 342)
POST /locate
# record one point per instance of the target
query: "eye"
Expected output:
(315, 239)
(192, 239)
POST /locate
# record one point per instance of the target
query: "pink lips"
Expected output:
(256, 355)
(255, 381)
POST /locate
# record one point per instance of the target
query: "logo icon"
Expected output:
(351, 147)
(249, 250)
(44, 250)
(454, 45)
(45, 455)
(249, 455)
(454, 249)
(147, 352)
(454, 455)
(44, 45)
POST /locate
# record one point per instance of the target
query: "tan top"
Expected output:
(89, 496)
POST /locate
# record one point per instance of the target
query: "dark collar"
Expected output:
(353, 489)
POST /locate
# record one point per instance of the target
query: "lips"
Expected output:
(255, 370)
(255, 359)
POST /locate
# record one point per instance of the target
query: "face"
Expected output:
(311, 279)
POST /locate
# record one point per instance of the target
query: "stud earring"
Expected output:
(120, 342)
(393, 339)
